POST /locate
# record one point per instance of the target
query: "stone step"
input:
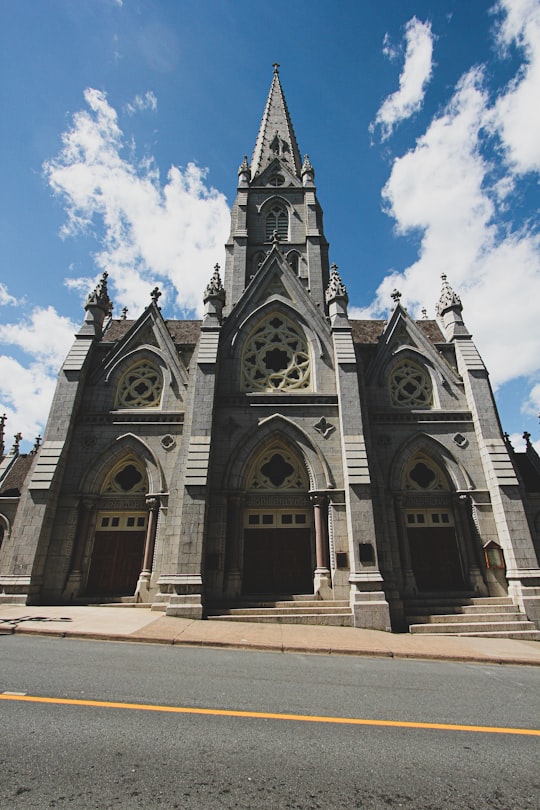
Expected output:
(522, 635)
(469, 618)
(469, 610)
(278, 611)
(432, 602)
(329, 619)
(473, 628)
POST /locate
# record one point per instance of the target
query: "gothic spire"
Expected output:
(276, 138)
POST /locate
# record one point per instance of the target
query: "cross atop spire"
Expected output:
(276, 138)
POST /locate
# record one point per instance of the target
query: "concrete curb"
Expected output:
(177, 641)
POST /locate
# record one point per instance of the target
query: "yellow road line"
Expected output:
(303, 718)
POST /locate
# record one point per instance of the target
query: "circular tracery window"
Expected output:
(410, 386)
(140, 387)
(276, 358)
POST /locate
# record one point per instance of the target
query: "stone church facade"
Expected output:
(275, 449)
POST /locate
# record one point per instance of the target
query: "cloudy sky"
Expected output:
(123, 123)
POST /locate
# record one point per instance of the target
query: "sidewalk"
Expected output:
(138, 624)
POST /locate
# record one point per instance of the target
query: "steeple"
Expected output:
(276, 138)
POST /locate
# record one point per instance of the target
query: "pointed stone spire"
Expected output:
(3, 419)
(336, 288)
(308, 172)
(244, 173)
(98, 305)
(336, 298)
(214, 298)
(449, 299)
(449, 309)
(276, 138)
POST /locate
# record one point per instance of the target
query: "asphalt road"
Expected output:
(99, 756)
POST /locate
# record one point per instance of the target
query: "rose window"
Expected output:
(276, 358)
(140, 387)
(410, 386)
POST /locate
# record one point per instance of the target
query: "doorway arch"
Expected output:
(277, 541)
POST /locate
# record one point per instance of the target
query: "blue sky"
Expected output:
(124, 121)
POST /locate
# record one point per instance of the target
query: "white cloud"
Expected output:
(518, 443)
(414, 77)
(26, 393)
(170, 234)
(45, 335)
(516, 115)
(453, 193)
(26, 390)
(142, 103)
(5, 297)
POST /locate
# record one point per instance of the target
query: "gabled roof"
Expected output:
(183, 333)
(12, 484)
(276, 136)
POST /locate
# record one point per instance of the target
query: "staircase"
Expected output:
(492, 617)
(286, 611)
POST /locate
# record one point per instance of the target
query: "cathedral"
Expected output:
(277, 460)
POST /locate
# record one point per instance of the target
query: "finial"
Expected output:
(16, 444)
(448, 297)
(155, 295)
(396, 295)
(276, 67)
(527, 437)
(100, 296)
(124, 313)
(424, 313)
(336, 288)
(2, 427)
(37, 444)
(275, 239)
(215, 288)
(308, 172)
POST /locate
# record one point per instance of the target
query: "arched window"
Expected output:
(410, 386)
(293, 258)
(278, 468)
(277, 219)
(126, 477)
(423, 474)
(276, 357)
(140, 386)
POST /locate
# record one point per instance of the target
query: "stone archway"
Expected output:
(434, 555)
(277, 536)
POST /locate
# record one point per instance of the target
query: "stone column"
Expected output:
(409, 580)
(322, 584)
(233, 580)
(465, 519)
(73, 584)
(143, 585)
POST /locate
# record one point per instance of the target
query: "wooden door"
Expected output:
(435, 558)
(116, 563)
(277, 561)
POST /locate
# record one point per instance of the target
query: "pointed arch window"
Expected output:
(410, 386)
(126, 477)
(140, 386)
(278, 469)
(277, 219)
(423, 474)
(276, 357)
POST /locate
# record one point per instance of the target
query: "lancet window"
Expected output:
(277, 219)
